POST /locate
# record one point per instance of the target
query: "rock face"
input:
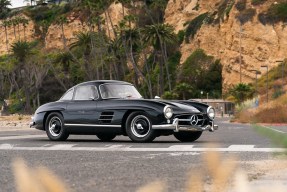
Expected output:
(54, 38)
(260, 44)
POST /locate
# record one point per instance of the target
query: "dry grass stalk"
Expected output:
(38, 180)
(156, 186)
(195, 182)
(219, 170)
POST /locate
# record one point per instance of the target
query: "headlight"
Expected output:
(168, 112)
(211, 112)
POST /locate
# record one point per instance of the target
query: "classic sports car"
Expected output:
(109, 108)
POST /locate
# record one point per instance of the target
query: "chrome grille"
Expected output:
(195, 120)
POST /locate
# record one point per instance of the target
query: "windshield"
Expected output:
(119, 91)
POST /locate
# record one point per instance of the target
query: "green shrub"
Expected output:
(246, 15)
(276, 13)
(180, 36)
(16, 106)
(224, 9)
(169, 95)
(194, 26)
(240, 5)
(278, 92)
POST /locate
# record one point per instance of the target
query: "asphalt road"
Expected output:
(86, 164)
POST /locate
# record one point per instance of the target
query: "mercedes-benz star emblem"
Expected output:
(193, 120)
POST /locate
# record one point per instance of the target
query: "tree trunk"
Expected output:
(64, 37)
(7, 41)
(14, 29)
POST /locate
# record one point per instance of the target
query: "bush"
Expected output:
(276, 13)
(180, 36)
(246, 15)
(16, 106)
(194, 26)
(169, 95)
(224, 9)
(240, 5)
(274, 115)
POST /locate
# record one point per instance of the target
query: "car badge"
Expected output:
(194, 120)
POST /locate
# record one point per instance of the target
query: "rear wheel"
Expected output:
(187, 136)
(139, 127)
(106, 137)
(54, 127)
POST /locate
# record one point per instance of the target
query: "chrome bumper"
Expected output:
(176, 127)
(31, 124)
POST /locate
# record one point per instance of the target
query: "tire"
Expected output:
(54, 127)
(106, 137)
(187, 136)
(139, 127)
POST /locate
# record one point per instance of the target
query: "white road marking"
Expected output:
(21, 137)
(273, 129)
(126, 148)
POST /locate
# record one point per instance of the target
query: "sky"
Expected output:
(18, 3)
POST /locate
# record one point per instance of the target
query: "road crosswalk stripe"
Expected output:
(21, 137)
(129, 148)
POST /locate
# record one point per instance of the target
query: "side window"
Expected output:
(86, 92)
(68, 95)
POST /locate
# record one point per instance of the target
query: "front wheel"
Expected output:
(187, 136)
(54, 127)
(139, 127)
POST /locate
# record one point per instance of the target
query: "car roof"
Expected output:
(99, 82)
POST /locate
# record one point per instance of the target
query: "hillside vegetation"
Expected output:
(125, 40)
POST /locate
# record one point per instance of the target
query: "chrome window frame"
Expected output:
(114, 84)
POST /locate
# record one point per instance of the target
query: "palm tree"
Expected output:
(158, 36)
(130, 38)
(64, 59)
(115, 48)
(24, 22)
(4, 8)
(14, 23)
(18, 21)
(6, 24)
(22, 50)
(61, 21)
(83, 41)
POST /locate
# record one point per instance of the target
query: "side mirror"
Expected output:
(157, 97)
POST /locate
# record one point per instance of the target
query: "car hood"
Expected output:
(179, 107)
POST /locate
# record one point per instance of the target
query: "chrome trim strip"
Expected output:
(91, 125)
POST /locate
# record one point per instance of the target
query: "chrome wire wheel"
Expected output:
(55, 126)
(140, 126)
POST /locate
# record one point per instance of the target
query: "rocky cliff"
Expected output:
(260, 44)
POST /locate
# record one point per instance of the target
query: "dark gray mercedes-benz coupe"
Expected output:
(108, 108)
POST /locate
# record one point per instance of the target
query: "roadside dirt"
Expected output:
(14, 122)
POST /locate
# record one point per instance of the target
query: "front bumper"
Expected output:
(176, 127)
(32, 124)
